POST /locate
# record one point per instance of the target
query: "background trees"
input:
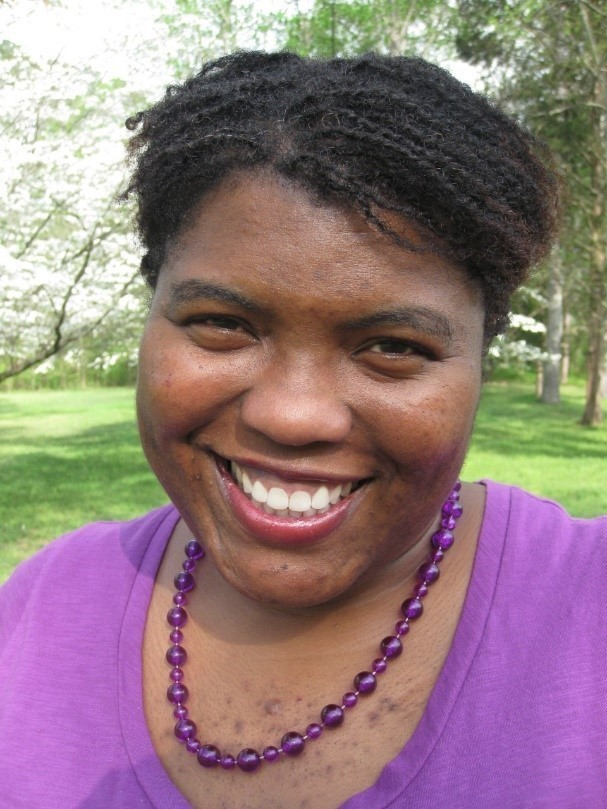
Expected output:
(67, 261)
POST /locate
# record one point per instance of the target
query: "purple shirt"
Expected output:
(517, 718)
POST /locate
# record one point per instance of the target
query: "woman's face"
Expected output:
(292, 349)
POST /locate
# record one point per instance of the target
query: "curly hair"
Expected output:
(375, 134)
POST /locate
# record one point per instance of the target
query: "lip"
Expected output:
(275, 530)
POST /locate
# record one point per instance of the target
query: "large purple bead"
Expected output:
(332, 716)
(412, 608)
(194, 550)
(208, 755)
(442, 539)
(248, 760)
(365, 682)
(185, 729)
(177, 616)
(184, 582)
(292, 743)
(177, 692)
(391, 646)
(428, 572)
(176, 655)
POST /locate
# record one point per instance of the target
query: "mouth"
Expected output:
(287, 508)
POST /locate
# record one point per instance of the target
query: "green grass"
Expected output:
(69, 457)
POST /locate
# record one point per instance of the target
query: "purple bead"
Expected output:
(193, 550)
(177, 616)
(365, 682)
(313, 730)
(192, 745)
(391, 646)
(184, 582)
(428, 572)
(350, 699)
(379, 665)
(456, 487)
(292, 743)
(176, 655)
(180, 599)
(176, 675)
(185, 729)
(180, 712)
(420, 590)
(208, 755)
(270, 753)
(248, 760)
(412, 608)
(332, 716)
(442, 539)
(176, 636)
(447, 509)
(437, 555)
(177, 693)
(448, 523)
(188, 565)
(401, 628)
(227, 762)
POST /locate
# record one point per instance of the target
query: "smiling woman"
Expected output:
(330, 244)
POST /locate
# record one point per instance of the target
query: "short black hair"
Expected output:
(372, 133)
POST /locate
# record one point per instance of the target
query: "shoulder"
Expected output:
(87, 561)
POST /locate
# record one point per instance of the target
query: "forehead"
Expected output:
(261, 232)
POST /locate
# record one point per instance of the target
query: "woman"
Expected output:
(330, 245)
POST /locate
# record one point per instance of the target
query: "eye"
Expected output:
(394, 358)
(397, 347)
(219, 332)
(216, 321)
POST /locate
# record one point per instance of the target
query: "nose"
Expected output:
(296, 403)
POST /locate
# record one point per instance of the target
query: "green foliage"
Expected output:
(70, 457)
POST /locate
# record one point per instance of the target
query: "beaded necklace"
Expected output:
(332, 715)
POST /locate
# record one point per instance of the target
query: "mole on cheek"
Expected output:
(273, 707)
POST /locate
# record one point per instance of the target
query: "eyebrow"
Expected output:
(192, 290)
(419, 318)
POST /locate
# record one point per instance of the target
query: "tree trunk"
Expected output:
(554, 332)
(566, 343)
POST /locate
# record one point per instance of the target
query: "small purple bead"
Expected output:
(194, 550)
(448, 523)
(442, 539)
(270, 753)
(248, 760)
(188, 565)
(447, 509)
(332, 716)
(350, 699)
(192, 745)
(428, 572)
(365, 682)
(185, 729)
(179, 599)
(420, 590)
(180, 712)
(176, 655)
(437, 555)
(177, 693)
(379, 665)
(313, 730)
(456, 487)
(391, 646)
(208, 755)
(227, 762)
(412, 608)
(184, 582)
(292, 743)
(176, 675)
(176, 636)
(177, 616)
(401, 628)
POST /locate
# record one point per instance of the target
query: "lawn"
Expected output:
(69, 457)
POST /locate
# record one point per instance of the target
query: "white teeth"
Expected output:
(259, 492)
(320, 498)
(237, 472)
(278, 498)
(346, 489)
(334, 495)
(300, 501)
(246, 483)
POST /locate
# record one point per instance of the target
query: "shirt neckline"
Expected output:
(409, 763)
